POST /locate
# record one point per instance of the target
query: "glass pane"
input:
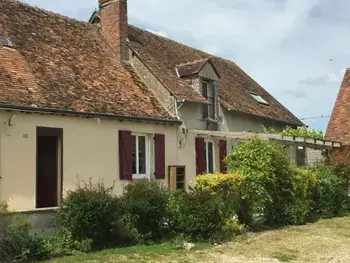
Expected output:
(142, 155)
(205, 111)
(205, 157)
(210, 158)
(258, 98)
(205, 90)
(134, 171)
(211, 112)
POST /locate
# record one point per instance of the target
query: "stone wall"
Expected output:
(167, 100)
(42, 221)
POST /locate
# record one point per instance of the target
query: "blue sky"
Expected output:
(296, 49)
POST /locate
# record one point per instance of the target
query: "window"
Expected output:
(208, 92)
(209, 157)
(259, 99)
(140, 156)
(5, 41)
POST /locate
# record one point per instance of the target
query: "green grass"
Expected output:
(324, 241)
(152, 253)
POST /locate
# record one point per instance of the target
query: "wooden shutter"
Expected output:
(223, 154)
(159, 150)
(200, 155)
(125, 155)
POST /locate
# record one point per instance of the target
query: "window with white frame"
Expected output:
(259, 99)
(140, 156)
(209, 157)
(208, 92)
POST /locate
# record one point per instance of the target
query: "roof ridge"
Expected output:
(210, 56)
(169, 39)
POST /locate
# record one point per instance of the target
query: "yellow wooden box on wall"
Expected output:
(177, 178)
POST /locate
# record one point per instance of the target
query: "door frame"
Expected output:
(58, 133)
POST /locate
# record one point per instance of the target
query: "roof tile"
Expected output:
(162, 56)
(339, 124)
(58, 62)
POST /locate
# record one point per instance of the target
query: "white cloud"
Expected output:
(280, 43)
(325, 79)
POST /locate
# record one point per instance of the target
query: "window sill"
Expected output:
(38, 210)
(141, 177)
(210, 120)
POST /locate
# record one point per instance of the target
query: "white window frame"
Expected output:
(210, 91)
(207, 155)
(258, 98)
(147, 175)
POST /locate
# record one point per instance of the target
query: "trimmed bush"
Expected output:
(268, 181)
(227, 188)
(92, 212)
(200, 218)
(144, 207)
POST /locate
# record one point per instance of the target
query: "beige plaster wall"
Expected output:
(187, 155)
(90, 149)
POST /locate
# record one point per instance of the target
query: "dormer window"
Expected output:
(208, 92)
(259, 99)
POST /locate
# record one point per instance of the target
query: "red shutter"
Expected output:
(200, 155)
(223, 154)
(159, 152)
(125, 155)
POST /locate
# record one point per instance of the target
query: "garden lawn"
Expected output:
(324, 241)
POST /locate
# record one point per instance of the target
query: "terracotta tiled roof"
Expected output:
(162, 56)
(58, 62)
(339, 124)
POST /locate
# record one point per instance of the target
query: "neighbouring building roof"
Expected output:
(165, 57)
(60, 63)
(339, 124)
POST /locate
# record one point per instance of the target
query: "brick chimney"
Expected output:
(114, 24)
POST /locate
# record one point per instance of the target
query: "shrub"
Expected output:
(144, 206)
(63, 244)
(342, 172)
(267, 184)
(175, 206)
(92, 212)
(304, 185)
(199, 218)
(329, 197)
(15, 239)
(299, 132)
(227, 189)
